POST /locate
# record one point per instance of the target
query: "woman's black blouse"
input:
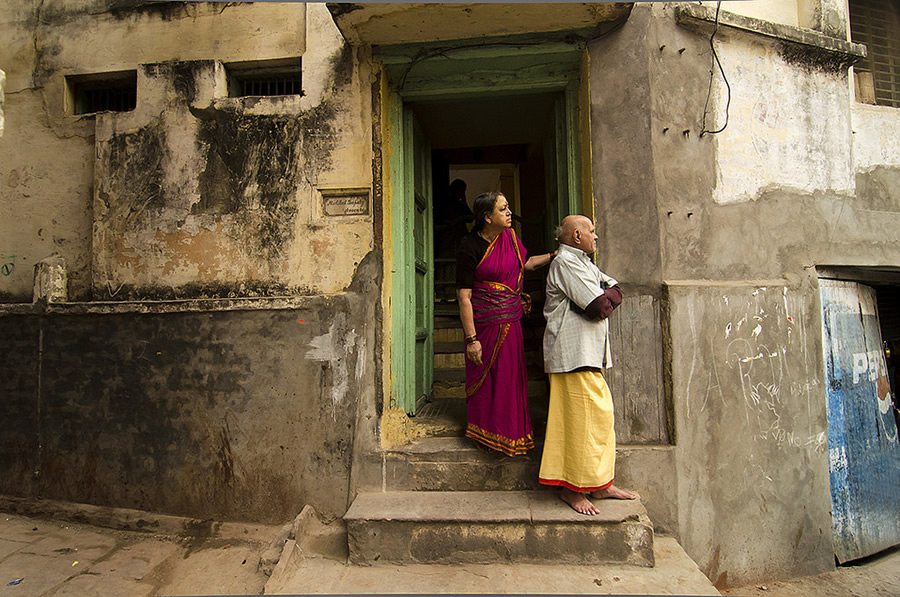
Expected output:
(471, 252)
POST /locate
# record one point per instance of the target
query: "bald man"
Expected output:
(580, 446)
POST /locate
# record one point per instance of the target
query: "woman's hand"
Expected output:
(538, 261)
(473, 352)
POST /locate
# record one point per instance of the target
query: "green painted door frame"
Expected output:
(432, 72)
(412, 272)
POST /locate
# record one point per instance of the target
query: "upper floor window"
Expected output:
(267, 77)
(102, 92)
(876, 23)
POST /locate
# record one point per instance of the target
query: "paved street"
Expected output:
(58, 558)
(41, 556)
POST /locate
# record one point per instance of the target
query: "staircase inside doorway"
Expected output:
(444, 414)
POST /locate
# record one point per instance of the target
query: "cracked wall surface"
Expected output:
(192, 193)
(233, 405)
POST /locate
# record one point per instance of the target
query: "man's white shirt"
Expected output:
(571, 340)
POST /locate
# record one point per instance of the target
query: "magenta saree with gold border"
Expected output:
(497, 390)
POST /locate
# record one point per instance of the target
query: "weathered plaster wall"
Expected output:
(827, 16)
(236, 408)
(194, 193)
(727, 228)
(624, 185)
(876, 137)
(752, 463)
(779, 111)
(777, 11)
(230, 198)
(46, 158)
(226, 410)
(746, 364)
(876, 160)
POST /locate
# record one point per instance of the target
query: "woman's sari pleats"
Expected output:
(497, 390)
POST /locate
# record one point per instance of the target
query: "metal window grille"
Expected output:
(286, 83)
(118, 94)
(876, 23)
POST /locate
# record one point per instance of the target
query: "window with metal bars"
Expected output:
(107, 92)
(263, 79)
(876, 23)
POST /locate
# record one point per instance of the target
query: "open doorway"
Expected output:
(515, 144)
(503, 143)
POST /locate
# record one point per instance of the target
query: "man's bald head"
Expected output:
(577, 231)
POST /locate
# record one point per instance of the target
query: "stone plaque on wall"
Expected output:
(345, 201)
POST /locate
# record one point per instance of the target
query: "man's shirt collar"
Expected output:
(574, 250)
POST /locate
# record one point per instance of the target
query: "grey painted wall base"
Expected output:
(230, 415)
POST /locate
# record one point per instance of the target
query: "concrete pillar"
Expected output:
(50, 280)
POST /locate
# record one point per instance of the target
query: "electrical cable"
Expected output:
(716, 61)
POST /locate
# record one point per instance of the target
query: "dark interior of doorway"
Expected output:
(502, 133)
(888, 300)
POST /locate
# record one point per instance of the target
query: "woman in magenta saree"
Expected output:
(490, 272)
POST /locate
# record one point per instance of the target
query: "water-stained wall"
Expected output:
(192, 193)
(226, 409)
(247, 220)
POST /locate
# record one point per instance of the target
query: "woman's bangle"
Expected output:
(471, 339)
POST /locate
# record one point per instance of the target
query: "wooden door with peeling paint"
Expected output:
(418, 156)
(412, 342)
(863, 447)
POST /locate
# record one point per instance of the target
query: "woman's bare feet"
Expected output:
(579, 502)
(612, 492)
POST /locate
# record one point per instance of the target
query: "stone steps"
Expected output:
(454, 463)
(450, 461)
(447, 502)
(485, 527)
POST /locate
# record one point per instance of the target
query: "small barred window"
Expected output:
(282, 77)
(106, 92)
(876, 23)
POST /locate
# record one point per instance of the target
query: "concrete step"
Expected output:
(454, 463)
(455, 360)
(444, 417)
(484, 527)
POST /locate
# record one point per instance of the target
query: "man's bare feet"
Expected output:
(612, 492)
(579, 502)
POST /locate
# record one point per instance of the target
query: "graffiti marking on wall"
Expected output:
(7, 265)
(760, 369)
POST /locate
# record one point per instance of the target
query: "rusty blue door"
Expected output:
(863, 447)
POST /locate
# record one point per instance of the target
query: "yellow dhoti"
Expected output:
(580, 445)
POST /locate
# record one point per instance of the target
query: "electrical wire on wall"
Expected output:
(715, 62)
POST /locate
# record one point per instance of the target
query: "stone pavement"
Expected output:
(51, 557)
(876, 576)
(674, 574)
